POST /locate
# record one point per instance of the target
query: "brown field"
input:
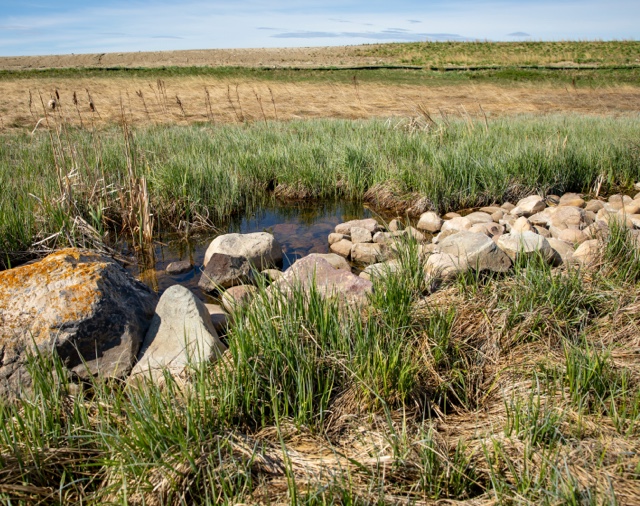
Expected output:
(183, 100)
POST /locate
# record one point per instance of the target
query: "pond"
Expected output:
(301, 229)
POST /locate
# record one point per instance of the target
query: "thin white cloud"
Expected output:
(193, 24)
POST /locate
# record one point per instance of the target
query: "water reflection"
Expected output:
(300, 228)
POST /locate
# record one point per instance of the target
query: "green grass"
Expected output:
(317, 403)
(204, 172)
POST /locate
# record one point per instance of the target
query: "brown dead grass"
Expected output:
(187, 100)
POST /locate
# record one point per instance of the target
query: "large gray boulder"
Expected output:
(224, 271)
(330, 282)
(477, 251)
(81, 304)
(260, 248)
(525, 245)
(181, 334)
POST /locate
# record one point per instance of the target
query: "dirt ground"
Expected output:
(199, 99)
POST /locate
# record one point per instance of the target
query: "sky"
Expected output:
(39, 27)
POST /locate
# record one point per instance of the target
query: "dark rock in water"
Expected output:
(181, 267)
(79, 303)
(224, 271)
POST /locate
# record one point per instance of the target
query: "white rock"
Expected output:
(429, 222)
(525, 244)
(260, 248)
(359, 234)
(528, 206)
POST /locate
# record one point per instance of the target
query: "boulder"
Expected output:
(528, 206)
(507, 206)
(414, 234)
(451, 215)
(334, 238)
(479, 217)
(359, 234)
(619, 200)
(368, 253)
(380, 269)
(224, 271)
(181, 333)
(395, 225)
(237, 296)
(568, 217)
(429, 222)
(571, 199)
(498, 215)
(525, 244)
(336, 261)
(572, 236)
(369, 224)
(594, 205)
(521, 225)
(175, 268)
(81, 304)
(490, 209)
(477, 250)
(342, 248)
(219, 317)
(588, 253)
(443, 266)
(543, 218)
(489, 229)
(271, 274)
(260, 248)
(563, 251)
(542, 231)
(456, 224)
(315, 271)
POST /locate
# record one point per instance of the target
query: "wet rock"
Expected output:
(359, 234)
(477, 250)
(175, 268)
(261, 249)
(525, 244)
(237, 296)
(342, 248)
(368, 253)
(81, 304)
(429, 222)
(224, 271)
(329, 282)
(369, 224)
(528, 206)
(181, 333)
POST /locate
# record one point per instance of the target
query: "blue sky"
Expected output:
(31, 27)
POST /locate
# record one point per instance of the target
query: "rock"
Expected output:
(271, 274)
(619, 200)
(219, 317)
(387, 237)
(636, 186)
(594, 205)
(240, 295)
(360, 235)
(632, 207)
(635, 219)
(336, 261)
(498, 215)
(597, 230)
(329, 282)
(552, 200)
(181, 333)
(542, 231)
(607, 217)
(443, 266)
(181, 267)
(260, 248)
(414, 234)
(342, 248)
(425, 250)
(368, 253)
(568, 217)
(80, 303)
(507, 206)
(572, 236)
(334, 238)
(489, 229)
(477, 250)
(490, 209)
(507, 221)
(450, 216)
(563, 250)
(521, 225)
(543, 218)
(525, 244)
(429, 222)
(479, 217)
(396, 225)
(380, 269)
(588, 253)
(571, 199)
(528, 206)
(456, 224)
(369, 224)
(224, 271)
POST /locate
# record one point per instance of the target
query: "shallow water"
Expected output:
(300, 228)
